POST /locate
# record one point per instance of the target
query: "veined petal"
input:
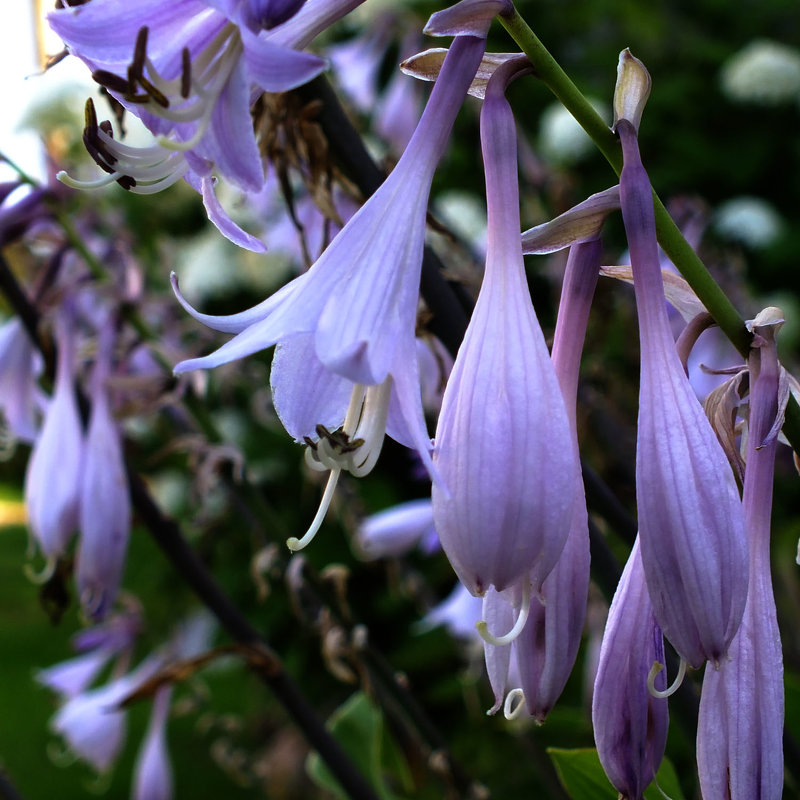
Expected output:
(105, 30)
(229, 142)
(499, 616)
(276, 68)
(234, 323)
(740, 725)
(305, 393)
(503, 424)
(694, 546)
(226, 226)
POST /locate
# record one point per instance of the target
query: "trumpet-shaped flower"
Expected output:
(503, 443)
(630, 721)
(354, 312)
(191, 70)
(740, 725)
(694, 547)
(548, 645)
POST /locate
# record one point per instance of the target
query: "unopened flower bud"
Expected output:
(631, 91)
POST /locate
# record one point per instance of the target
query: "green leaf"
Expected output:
(358, 727)
(582, 776)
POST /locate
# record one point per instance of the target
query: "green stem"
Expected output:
(670, 238)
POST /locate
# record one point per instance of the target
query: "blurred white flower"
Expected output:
(749, 220)
(763, 72)
(561, 138)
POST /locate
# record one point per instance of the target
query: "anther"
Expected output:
(186, 73)
(136, 69)
(111, 81)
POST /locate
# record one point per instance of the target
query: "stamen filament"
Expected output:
(516, 630)
(295, 544)
(670, 690)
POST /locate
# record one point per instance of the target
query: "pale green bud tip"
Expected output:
(631, 91)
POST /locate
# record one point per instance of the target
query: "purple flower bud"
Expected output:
(740, 725)
(105, 511)
(503, 443)
(52, 480)
(694, 547)
(630, 724)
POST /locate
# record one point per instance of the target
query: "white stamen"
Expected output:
(295, 544)
(514, 696)
(516, 630)
(670, 690)
(153, 168)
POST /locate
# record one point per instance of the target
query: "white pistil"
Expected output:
(293, 543)
(510, 710)
(516, 630)
(670, 690)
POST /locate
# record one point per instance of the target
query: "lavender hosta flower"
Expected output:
(153, 771)
(630, 723)
(191, 70)
(357, 304)
(458, 613)
(549, 642)
(694, 547)
(93, 725)
(52, 479)
(105, 506)
(20, 396)
(503, 443)
(397, 529)
(740, 725)
(96, 647)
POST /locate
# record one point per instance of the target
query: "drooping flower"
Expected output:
(354, 312)
(548, 645)
(503, 444)
(191, 71)
(105, 507)
(694, 547)
(52, 479)
(740, 725)
(630, 722)
(20, 396)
